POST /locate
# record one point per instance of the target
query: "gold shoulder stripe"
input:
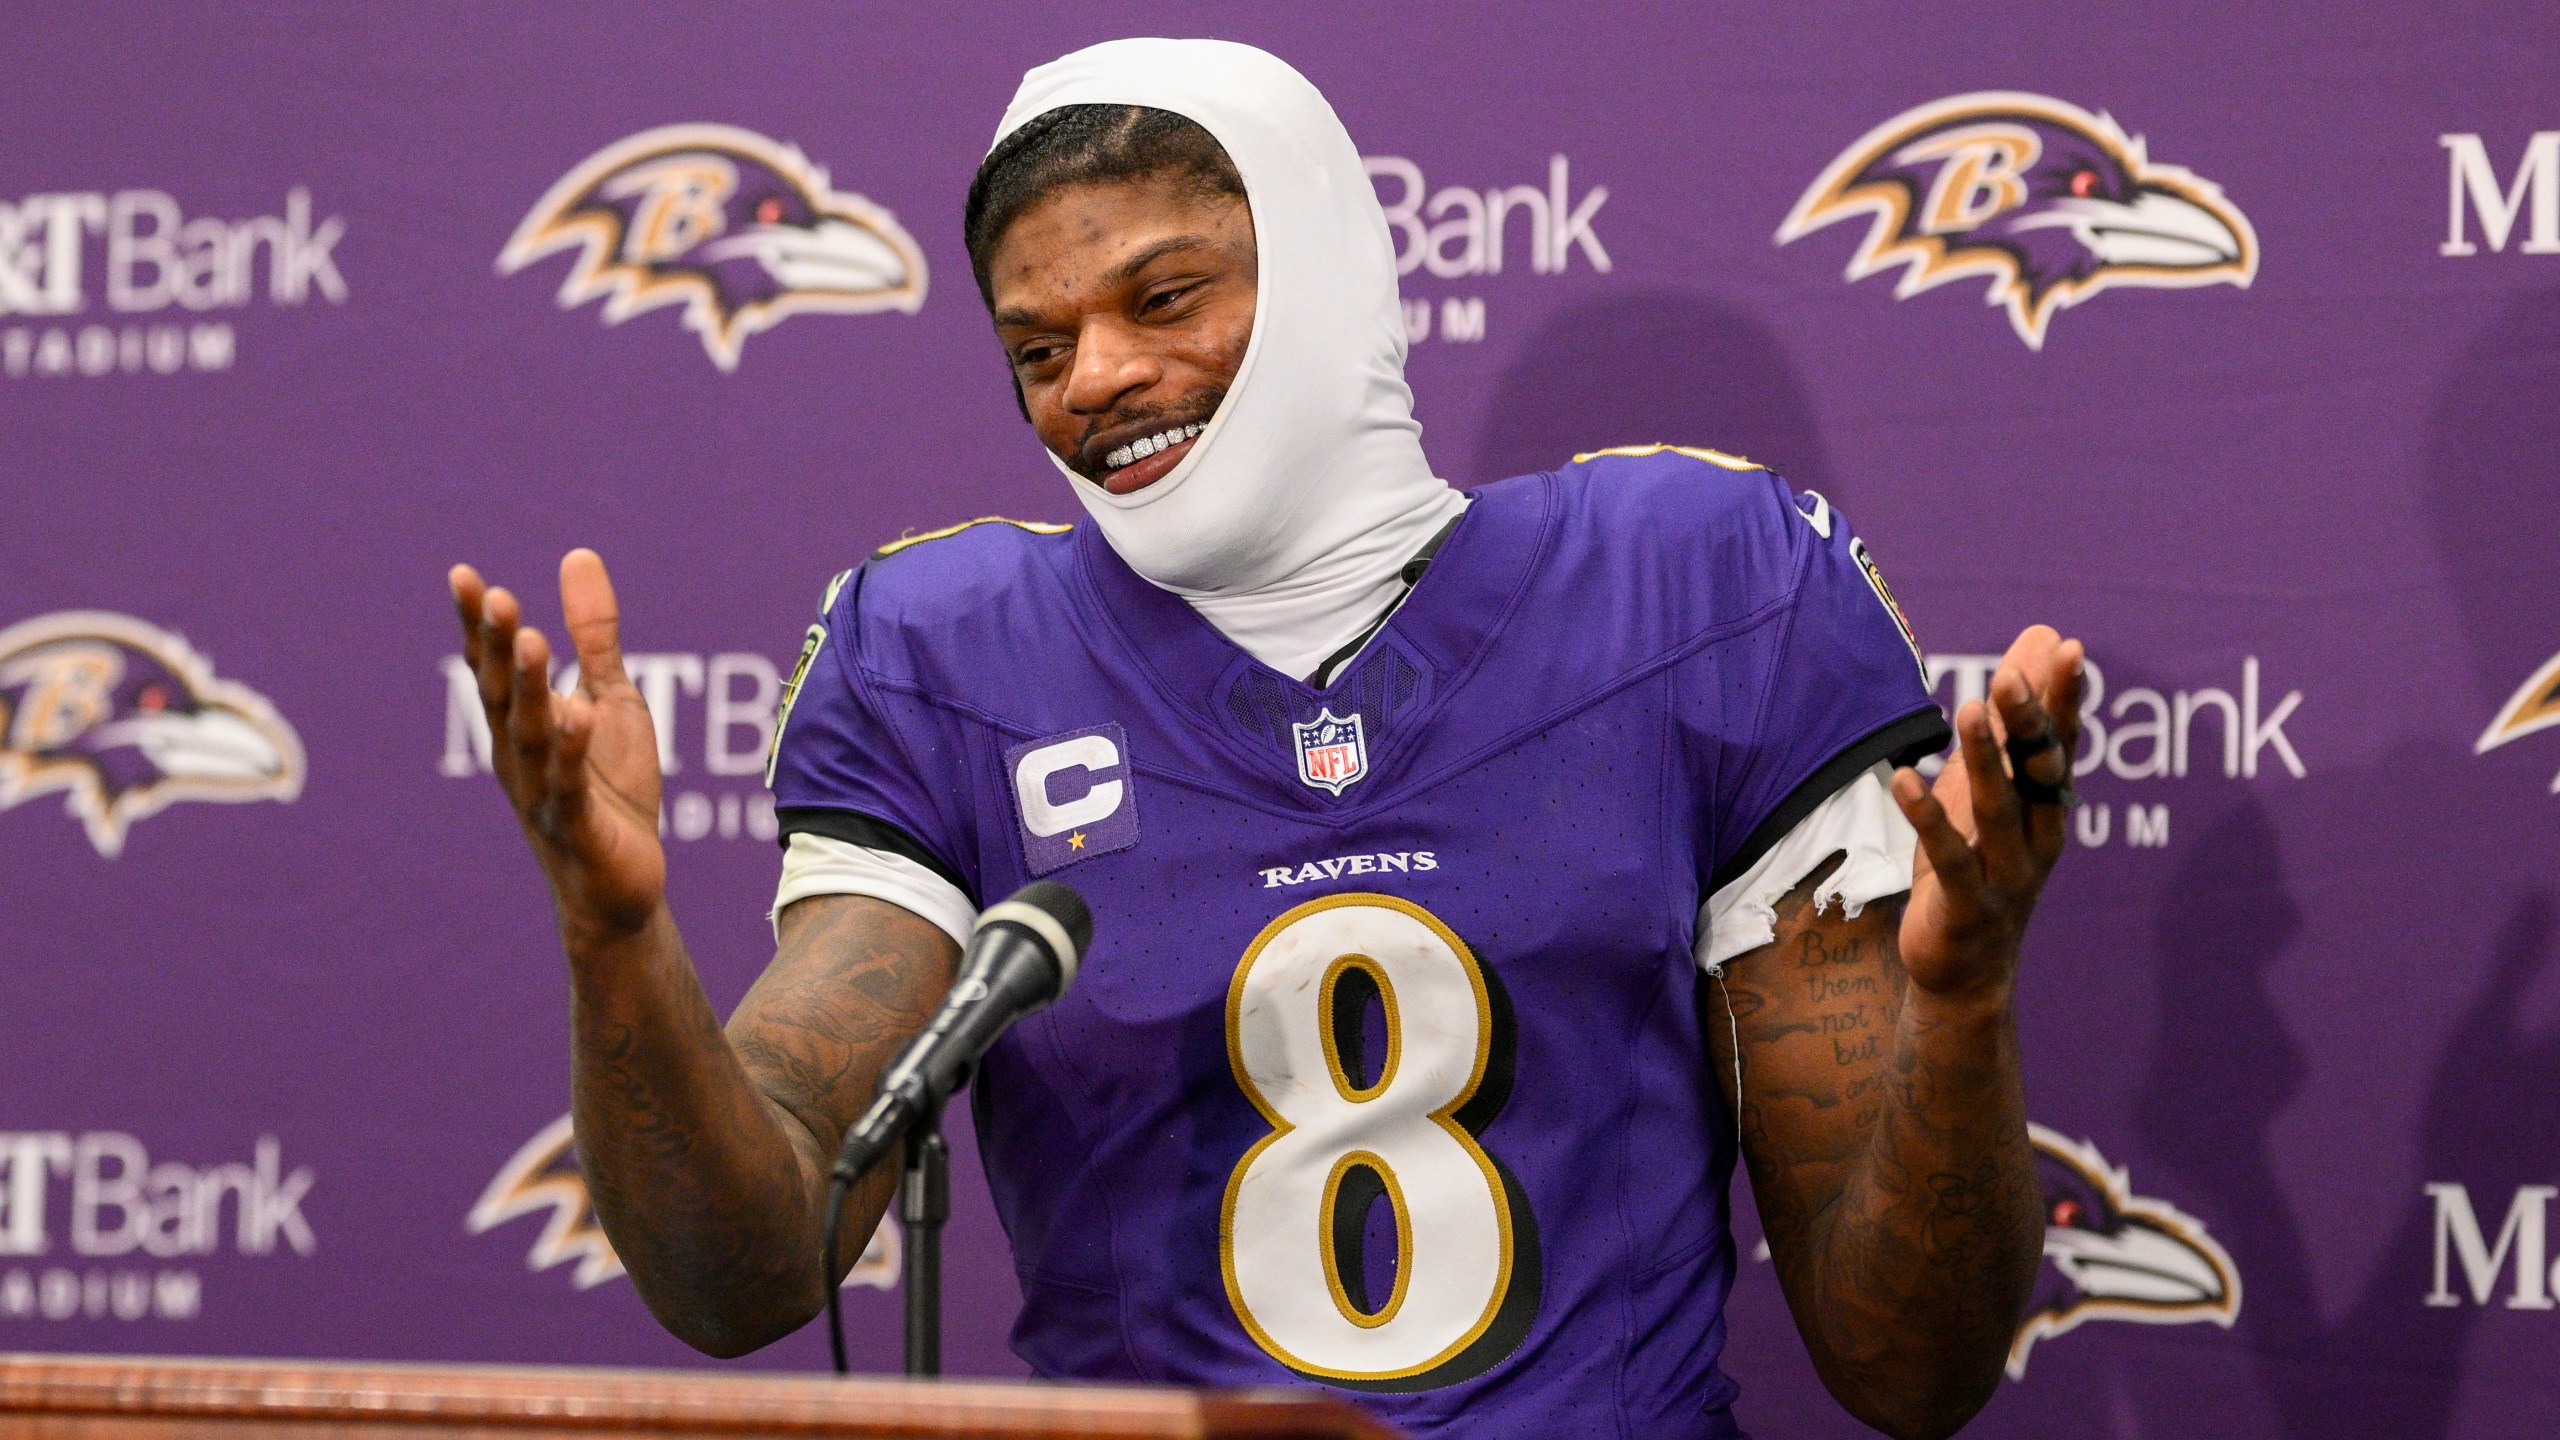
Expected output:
(1712, 457)
(1034, 526)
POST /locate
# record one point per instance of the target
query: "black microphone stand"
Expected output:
(924, 1202)
(1022, 953)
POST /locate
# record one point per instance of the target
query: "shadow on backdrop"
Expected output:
(2493, 493)
(2227, 1066)
(1658, 366)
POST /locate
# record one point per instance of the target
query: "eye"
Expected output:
(2084, 183)
(769, 209)
(2066, 1213)
(1163, 298)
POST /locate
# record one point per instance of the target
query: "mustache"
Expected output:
(1192, 409)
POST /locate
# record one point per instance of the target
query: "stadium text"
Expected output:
(2144, 733)
(734, 692)
(99, 1196)
(139, 252)
(2520, 1247)
(2147, 733)
(1458, 231)
(120, 1202)
(2476, 193)
(116, 350)
(156, 257)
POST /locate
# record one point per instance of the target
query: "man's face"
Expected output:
(1125, 309)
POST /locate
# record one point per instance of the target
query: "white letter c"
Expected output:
(1031, 782)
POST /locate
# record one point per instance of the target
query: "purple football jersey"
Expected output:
(1385, 1070)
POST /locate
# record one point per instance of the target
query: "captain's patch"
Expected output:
(1073, 795)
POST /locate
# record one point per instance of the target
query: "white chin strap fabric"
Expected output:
(1286, 524)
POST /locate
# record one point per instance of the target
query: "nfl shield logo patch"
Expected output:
(1331, 750)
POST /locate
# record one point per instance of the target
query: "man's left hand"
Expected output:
(1985, 849)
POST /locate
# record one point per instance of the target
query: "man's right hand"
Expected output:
(706, 1152)
(581, 769)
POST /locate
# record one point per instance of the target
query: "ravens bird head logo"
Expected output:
(542, 1178)
(2534, 706)
(2110, 1254)
(2049, 202)
(741, 231)
(126, 719)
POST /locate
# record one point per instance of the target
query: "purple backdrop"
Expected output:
(2291, 1011)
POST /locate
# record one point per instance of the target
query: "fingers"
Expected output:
(468, 588)
(2029, 653)
(538, 739)
(1907, 789)
(499, 616)
(594, 619)
(564, 772)
(1999, 838)
(2062, 685)
(2030, 729)
(1954, 791)
(2050, 667)
(528, 723)
(1942, 846)
(2039, 751)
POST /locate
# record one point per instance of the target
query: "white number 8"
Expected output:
(1467, 1279)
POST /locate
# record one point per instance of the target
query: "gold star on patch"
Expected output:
(1076, 841)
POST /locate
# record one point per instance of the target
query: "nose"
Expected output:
(1112, 362)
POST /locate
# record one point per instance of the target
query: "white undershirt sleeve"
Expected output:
(1860, 819)
(818, 865)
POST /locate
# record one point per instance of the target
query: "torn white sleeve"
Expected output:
(1860, 819)
(818, 865)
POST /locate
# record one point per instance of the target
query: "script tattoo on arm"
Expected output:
(707, 1152)
(1886, 1140)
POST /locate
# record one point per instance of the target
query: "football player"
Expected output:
(1479, 872)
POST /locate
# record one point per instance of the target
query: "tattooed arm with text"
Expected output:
(706, 1151)
(1881, 1111)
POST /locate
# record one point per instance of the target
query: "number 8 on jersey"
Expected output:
(1466, 1265)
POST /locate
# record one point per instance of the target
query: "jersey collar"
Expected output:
(1456, 611)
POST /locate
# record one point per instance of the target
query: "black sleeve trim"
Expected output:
(868, 831)
(1922, 732)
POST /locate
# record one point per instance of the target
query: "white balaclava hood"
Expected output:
(1296, 508)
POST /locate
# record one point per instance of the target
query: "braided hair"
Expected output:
(1084, 144)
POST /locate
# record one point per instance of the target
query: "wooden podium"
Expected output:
(65, 1397)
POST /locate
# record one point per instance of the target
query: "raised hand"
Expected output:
(1986, 848)
(707, 1157)
(581, 769)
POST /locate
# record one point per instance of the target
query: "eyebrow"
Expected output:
(1128, 269)
(1123, 272)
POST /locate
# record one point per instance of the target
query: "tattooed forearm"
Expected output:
(706, 1153)
(1886, 1140)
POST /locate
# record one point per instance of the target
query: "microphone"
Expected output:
(1022, 955)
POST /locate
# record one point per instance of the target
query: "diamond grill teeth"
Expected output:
(1140, 449)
